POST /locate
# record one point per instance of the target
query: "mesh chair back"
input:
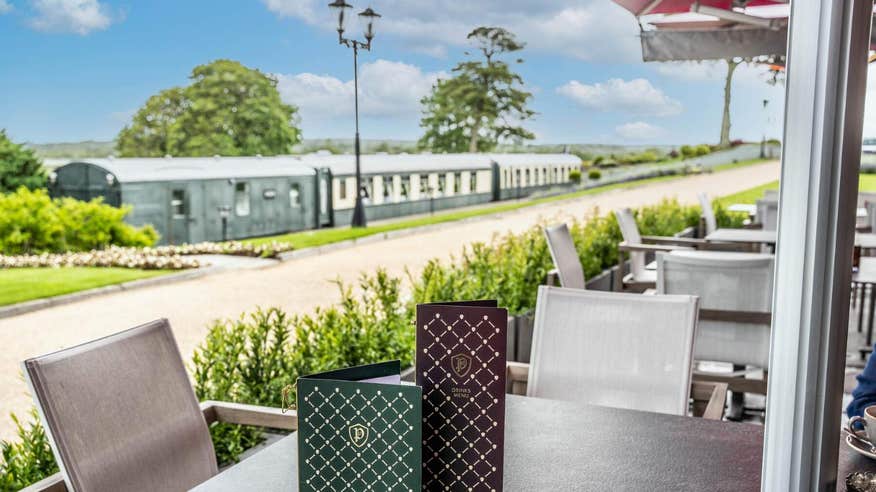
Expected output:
(708, 213)
(737, 282)
(565, 256)
(611, 349)
(768, 214)
(121, 414)
(630, 232)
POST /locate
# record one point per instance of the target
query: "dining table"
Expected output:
(763, 237)
(557, 445)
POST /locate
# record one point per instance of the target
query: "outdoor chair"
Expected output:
(121, 415)
(641, 277)
(616, 350)
(735, 293)
(767, 214)
(568, 269)
(708, 214)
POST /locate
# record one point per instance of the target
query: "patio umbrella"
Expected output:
(645, 7)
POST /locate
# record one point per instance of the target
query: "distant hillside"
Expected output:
(91, 148)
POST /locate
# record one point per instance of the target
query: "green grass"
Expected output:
(26, 284)
(310, 239)
(866, 182)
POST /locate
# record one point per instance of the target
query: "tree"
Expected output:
(476, 108)
(228, 109)
(725, 120)
(19, 166)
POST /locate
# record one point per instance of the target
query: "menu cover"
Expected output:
(359, 429)
(461, 368)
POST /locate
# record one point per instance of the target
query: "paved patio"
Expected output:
(300, 285)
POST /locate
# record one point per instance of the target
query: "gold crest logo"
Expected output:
(358, 435)
(461, 364)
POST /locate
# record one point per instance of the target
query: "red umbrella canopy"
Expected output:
(644, 7)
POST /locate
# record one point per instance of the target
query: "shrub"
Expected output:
(594, 175)
(673, 154)
(687, 151)
(575, 176)
(27, 460)
(253, 358)
(598, 160)
(32, 222)
(702, 150)
(19, 166)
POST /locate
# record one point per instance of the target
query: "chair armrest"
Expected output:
(713, 394)
(52, 483)
(516, 377)
(553, 278)
(239, 413)
(653, 248)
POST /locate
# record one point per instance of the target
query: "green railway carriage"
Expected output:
(211, 199)
(189, 200)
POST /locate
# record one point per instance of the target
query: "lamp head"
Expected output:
(340, 8)
(369, 18)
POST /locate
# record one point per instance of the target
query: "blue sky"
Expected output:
(78, 69)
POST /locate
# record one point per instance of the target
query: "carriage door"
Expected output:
(184, 209)
(324, 206)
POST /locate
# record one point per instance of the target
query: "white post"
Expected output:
(826, 85)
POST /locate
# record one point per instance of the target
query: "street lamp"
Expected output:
(368, 17)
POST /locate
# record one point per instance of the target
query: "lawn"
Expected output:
(310, 239)
(25, 284)
(866, 182)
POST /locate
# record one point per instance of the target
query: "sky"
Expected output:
(74, 70)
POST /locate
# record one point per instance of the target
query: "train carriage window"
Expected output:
(424, 184)
(178, 204)
(295, 195)
(457, 183)
(387, 188)
(405, 187)
(544, 175)
(241, 199)
(473, 182)
(442, 183)
(528, 178)
(342, 188)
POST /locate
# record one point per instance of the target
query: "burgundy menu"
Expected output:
(461, 369)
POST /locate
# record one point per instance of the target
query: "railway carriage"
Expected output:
(210, 199)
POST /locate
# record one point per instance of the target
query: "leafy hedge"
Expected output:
(251, 359)
(32, 222)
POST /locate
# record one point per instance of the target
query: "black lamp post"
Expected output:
(368, 17)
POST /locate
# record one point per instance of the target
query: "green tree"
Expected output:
(474, 110)
(228, 109)
(19, 166)
(150, 131)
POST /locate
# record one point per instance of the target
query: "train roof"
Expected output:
(345, 164)
(149, 169)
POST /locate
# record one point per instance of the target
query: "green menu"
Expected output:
(359, 429)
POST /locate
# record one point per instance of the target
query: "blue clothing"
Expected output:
(864, 394)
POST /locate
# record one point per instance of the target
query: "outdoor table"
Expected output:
(753, 236)
(749, 209)
(553, 445)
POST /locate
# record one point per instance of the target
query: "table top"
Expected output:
(748, 208)
(744, 236)
(553, 445)
(866, 241)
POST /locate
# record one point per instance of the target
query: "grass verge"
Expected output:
(26, 284)
(866, 182)
(310, 239)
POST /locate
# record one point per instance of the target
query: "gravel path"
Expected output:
(302, 284)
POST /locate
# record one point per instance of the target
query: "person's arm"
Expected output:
(864, 394)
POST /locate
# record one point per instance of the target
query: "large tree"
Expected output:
(482, 104)
(19, 166)
(728, 86)
(228, 109)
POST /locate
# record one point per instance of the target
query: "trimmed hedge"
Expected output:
(31, 223)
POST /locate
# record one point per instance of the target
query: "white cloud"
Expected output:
(70, 16)
(636, 96)
(748, 74)
(386, 89)
(576, 28)
(5, 7)
(639, 130)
